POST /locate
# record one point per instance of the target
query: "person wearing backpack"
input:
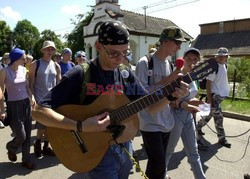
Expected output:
(155, 70)
(103, 71)
(217, 89)
(44, 74)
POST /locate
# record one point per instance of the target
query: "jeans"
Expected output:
(114, 165)
(185, 128)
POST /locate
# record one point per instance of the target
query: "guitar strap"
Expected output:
(151, 65)
(132, 159)
(86, 79)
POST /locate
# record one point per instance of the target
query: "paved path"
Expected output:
(50, 167)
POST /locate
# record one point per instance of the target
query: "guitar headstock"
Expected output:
(203, 69)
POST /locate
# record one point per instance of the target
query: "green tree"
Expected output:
(5, 38)
(25, 35)
(75, 39)
(47, 35)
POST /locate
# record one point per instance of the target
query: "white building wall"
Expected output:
(140, 45)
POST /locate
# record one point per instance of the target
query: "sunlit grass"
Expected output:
(236, 106)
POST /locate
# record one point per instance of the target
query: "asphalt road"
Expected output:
(218, 162)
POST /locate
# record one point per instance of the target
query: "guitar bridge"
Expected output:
(116, 130)
(79, 141)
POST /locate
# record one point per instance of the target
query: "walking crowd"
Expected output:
(34, 89)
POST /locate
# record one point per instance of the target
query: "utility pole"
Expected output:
(145, 15)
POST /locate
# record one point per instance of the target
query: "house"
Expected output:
(233, 34)
(144, 30)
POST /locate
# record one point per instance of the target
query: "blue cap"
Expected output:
(66, 50)
(15, 54)
(80, 53)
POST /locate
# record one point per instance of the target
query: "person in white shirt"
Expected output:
(217, 89)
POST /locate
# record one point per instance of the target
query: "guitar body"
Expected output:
(65, 144)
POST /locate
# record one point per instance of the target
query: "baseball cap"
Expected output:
(222, 51)
(172, 33)
(193, 50)
(48, 43)
(113, 33)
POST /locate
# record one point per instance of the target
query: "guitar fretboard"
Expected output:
(143, 102)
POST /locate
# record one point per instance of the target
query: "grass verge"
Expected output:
(236, 106)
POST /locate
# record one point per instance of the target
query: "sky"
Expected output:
(57, 15)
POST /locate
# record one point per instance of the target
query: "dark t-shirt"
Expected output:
(69, 89)
(66, 66)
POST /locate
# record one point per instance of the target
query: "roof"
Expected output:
(238, 43)
(154, 26)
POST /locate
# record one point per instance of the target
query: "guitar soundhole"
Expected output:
(116, 130)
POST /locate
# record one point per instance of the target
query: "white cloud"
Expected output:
(9, 13)
(71, 9)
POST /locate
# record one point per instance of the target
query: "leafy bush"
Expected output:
(242, 66)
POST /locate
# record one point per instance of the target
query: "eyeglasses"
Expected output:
(178, 43)
(117, 54)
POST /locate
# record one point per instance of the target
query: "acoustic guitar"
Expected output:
(82, 152)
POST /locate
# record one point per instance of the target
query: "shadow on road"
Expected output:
(12, 169)
(177, 157)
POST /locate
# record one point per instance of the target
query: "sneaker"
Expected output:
(201, 145)
(12, 156)
(48, 151)
(1, 125)
(37, 149)
(224, 143)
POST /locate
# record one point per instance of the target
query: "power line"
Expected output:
(153, 5)
(176, 5)
(160, 3)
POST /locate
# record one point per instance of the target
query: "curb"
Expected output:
(236, 116)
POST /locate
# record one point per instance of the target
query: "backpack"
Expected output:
(151, 65)
(86, 79)
(202, 83)
(37, 66)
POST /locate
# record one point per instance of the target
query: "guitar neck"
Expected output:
(143, 102)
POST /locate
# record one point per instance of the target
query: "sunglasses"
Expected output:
(178, 43)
